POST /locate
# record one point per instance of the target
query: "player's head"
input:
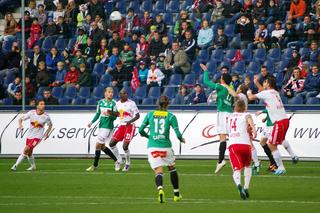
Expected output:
(40, 105)
(163, 102)
(108, 93)
(270, 83)
(242, 89)
(123, 94)
(226, 78)
(240, 106)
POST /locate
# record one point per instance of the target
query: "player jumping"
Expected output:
(224, 108)
(106, 110)
(38, 118)
(128, 113)
(240, 146)
(160, 151)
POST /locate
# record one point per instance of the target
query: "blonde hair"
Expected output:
(108, 89)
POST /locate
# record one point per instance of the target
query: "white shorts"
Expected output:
(161, 157)
(267, 131)
(104, 135)
(222, 122)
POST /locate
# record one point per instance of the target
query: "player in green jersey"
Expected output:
(106, 111)
(224, 109)
(160, 151)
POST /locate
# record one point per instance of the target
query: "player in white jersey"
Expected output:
(239, 146)
(38, 119)
(241, 94)
(272, 101)
(128, 114)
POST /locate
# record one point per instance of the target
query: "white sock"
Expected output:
(116, 153)
(127, 156)
(247, 177)
(20, 159)
(31, 161)
(255, 156)
(277, 158)
(287, 146)
(237, 177)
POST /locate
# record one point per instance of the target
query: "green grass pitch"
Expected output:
(63, 185)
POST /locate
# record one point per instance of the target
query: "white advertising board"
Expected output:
(71, 135)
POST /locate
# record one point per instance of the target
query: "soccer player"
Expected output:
(160, 151)
(38, 119)
(107, 111)
(128, 113)
(224, 108)
(240, 146)
(271, 98)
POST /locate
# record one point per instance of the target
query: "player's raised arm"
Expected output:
(206, 79)
(175, 126)
(144, 124)
(230, 90)
(257, 83)
(251, 96)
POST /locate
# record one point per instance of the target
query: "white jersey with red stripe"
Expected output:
(37, 123)
(238, 129)
(127, 110)
(244, 98)
(273, 103)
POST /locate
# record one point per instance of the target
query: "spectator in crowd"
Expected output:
(188, 45)
(205, 35)
(264, 74)
(35, 33)
(116, 41)
(17, 98)
(49, 5)
(183, 95)
(30, 88)
(37, 56)
(100, 22)
(143, 73)
(160, 63)
(146, 22)
(32, 9)
(312, 83)
(63, 30)
(127, 57)
(96, 8)
(72, 77)
(221, 40)
(142, 49)
(66, 56)
(102, 52)
(184, 27)
(177, 60)
(60, 75)
(50, 29)
(114, 58)
(198, 96)
(9, 29)
(8, 6)
(84, 79)
(166, 45)
(249, 83)
(155, 76)
(295, 84)
(42, 77)
(48, 98)
(245, 27)
(52, 59)
(14, 86)
(96, 35)
(297, 10)
(272, 12)
(183, 18)
(81, 16)
(132, 22)
(133, 41)
(277, 35)
(81, 40)
(217, 11)
(231, 8)
(120, 75)
(89, 50)
(32, 102)
(11, 61)
(161, 26)
(223, 70)
(27, 25)
(59, 12)
(247, 6)
(307, 25)
(259, 11)
(290, 34)
(261, 34)
(155, 47)
(71, 15)
(313, 55)
(42, 15)
(235, 82)
(78, 59)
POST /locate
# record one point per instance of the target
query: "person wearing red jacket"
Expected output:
(71, 77)
(297, 9)
(35, 33)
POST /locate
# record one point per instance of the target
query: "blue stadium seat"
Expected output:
(270, 28)
(71, 43)
(168, 19)
(176, 101)
(173, 6)
(206, 16)
(84, 92)
(254, 67)
(282, 65)
(200, 80)
(160, 7)
(246, 55)
(190, 79)
(304, 51)
(91, 101)
(105, 80)
(77, 101)
(287, 54)
(229, 30)
(260, 55)
(7, 101)
(115, 93)
(279, 79)
(60, 44)
(270, 66)
(230, 54)
(296, 100)
(284, 99)
(40, 92)
(47, 44)
(235, 42)
(148, 101)
(154, 92)
(135, 6)
(175, 80)
(126, 84)
(203, 56)
(225, 64)
(98, 92)
(140, 93)
(9, 78)
(6, 46)
(57, 92)
(217, 55)
(170, 92)
(99, 69)
(130, 92)
(63, 101)
(196, 67)
(212, 67)
(70, 93)
(274, 54)
(239, 67)
(146, 5)
(121, 5)
(313, 100)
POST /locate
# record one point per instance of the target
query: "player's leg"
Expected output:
(287, 146)
(246, 156)
(159, 183)
(266, 149)
(31, 160)
(117, 136)
(256, 163)
(99, 146)
(222, 127)
(21, 157)
(175, 183)
(236, 164)
(129, 133)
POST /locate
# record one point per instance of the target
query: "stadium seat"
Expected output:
(77, 101)
(168, 19)
(98, 92)
(287, 54)
(70, 93)
(160, 7)
(217, 55)
(91, 101)
(270, 66)
(126, 84)
(279, 79)
(121, 5)
(246, 55)
(7, 101)
(260, 55)
(148, 101)
(212, 67)
(284, 99)
(190, 79)
(304, 51)
(175, 80)
(282, 65)
(6, 46)
(170, 92)
(57, 92)
(40, 92)
(274, 54)
(9, 78)
(270, 28)
(229, 30)
(200, 80)
(60, 44)
(313, 100)
(99, 69)
(135, 6)
(105, 80)
(71, 43)
(154, 92)
(239, 67)
(176, 101)
(129, 90)
(254, 67)
(296, 100)
(140, 93)
(146, 6)
(173, 6)
(203, 56)
(225, 64)
(196, 67)
(230, 54)
(47, 44)
(206, 16)
(235, 42)
(63, 101)
(84, 92)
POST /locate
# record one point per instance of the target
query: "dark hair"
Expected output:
(244, 88)
(272, 82)
(163, 102)
(38, 101)
(47, 90)
(264, 67)
(226, 78)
